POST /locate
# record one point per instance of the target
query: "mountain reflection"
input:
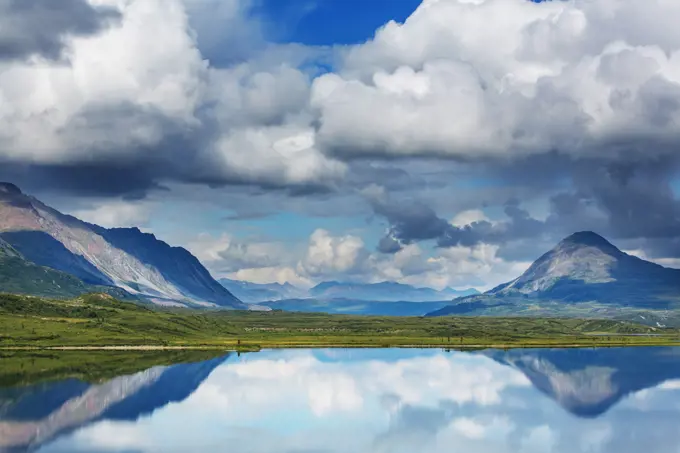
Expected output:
(32, 415)
(599, 400)
(588, 382)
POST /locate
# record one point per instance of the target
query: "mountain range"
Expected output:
(80, 257)
(46, 253)
(253, 293)
(385, 292)
(584, 275)
(379, 299)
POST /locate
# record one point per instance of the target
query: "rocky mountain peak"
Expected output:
(587, 239)
(584, 256)
(9, 188)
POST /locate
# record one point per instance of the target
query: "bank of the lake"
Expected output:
(101, 322)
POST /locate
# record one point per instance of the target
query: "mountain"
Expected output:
(584, 275)
(20, 276)
(355, 307)
(32, 416)
(124, 258)
(254, 292)
(384, 292)
(588, 382)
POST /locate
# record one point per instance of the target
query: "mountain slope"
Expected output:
(584, 274)
(128, 259)
(19, 276)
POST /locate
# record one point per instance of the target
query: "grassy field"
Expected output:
(100, 320)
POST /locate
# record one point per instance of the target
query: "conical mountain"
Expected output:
(582, 268)
(587, 258)
(127, 258)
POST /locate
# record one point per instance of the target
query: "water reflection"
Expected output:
(608, 400)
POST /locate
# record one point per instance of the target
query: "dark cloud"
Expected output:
(411, 221)
(41, 27)
(388, 244)
(166, 152)
(631, 202)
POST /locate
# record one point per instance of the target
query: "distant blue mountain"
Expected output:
(385, 292)
(356, 307)
(254, 292)
(339, 297)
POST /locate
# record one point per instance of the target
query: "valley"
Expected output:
(99, 320)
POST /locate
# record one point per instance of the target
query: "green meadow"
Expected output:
(100, 321)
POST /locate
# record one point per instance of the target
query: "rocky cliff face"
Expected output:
(129, 259)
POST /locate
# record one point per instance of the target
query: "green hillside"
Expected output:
(19, 276)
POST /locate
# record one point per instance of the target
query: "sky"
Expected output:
(435, 143)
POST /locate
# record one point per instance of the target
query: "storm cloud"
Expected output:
(43, 27)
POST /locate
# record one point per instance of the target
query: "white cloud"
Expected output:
(329, 254)
(135, 89)
(469, 428)
(227, 254)
(117, 213)
(504, 78)
(273, 274)
(345, 257)
(478, 266)
(44, 102)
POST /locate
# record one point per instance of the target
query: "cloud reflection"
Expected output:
(425, 401)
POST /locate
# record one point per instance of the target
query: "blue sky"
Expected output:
(449, 144)
(330, 22)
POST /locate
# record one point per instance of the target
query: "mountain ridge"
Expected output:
(582, 268)
(384, 292)
(128, 259)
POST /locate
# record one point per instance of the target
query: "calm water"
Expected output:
(361, 401)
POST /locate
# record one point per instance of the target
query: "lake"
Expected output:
(621, 400)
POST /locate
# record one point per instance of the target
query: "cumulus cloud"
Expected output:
(156, 110)
(327, 254)
(226, 254)
(346, 258)
(576, 103)
(581, 78)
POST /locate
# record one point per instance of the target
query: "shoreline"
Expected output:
(258, 347)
